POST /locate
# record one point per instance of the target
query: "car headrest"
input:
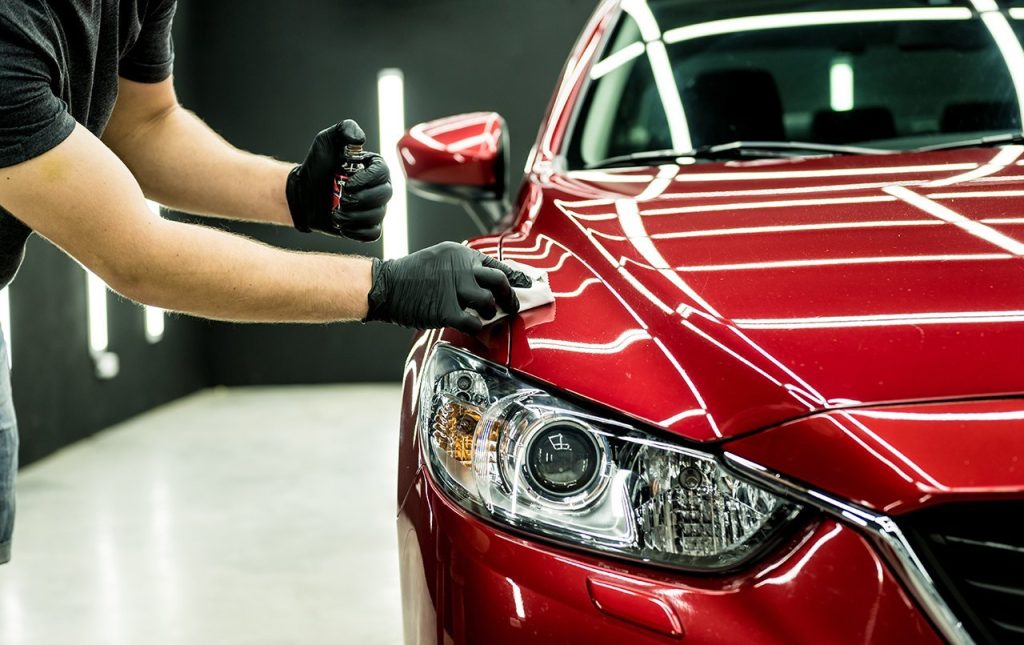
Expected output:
(733, 105)
(979, 116)
(852, 126)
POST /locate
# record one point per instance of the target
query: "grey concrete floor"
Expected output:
(253, 516)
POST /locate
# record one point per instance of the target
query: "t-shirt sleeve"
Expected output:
(33, 120)
(151, 58)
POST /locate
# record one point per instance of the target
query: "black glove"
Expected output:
(433, 288)
(310, 188)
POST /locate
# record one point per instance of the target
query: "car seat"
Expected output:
(733, 105)
(979, 116)
(853, 126)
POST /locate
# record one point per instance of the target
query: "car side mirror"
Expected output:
(462, 159)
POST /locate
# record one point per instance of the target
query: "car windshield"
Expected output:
(682, 75)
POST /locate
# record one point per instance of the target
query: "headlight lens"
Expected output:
(515, 454)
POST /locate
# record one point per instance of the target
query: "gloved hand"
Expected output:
(433, 288)
(310, 188)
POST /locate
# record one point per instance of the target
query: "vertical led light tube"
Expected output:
(391, 102)
(154, 319)
(5, 323)
(154, 316)
(107, 364)
(841, 85)
(99, 338)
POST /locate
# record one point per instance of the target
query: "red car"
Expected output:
(779, 397)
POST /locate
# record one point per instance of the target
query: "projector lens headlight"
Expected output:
(563, 458)
(517, 455)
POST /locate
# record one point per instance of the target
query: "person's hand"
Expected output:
(434, 288)
(310, 188)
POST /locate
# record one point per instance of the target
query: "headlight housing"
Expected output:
(517, 455)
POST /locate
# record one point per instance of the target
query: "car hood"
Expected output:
(718, 299)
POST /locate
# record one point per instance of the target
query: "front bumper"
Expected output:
(466, 581)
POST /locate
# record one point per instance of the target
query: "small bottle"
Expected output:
(355, 160)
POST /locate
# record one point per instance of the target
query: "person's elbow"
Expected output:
(129, 283)
(128, 277)
(136, 270)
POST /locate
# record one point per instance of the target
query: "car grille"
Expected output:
(975, 553)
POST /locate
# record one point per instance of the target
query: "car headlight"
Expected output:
(515, 454)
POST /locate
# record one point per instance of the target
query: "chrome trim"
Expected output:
(886, 535)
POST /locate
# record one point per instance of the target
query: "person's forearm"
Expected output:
(83, 199)
(183, 164)
(213, 274)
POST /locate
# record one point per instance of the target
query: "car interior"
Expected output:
(916, 85)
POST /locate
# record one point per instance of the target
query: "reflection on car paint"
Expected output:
(613, 347)
(609, 222)
(764, 304)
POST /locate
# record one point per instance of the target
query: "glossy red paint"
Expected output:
(899, 459)
(464, 581)
(698, 360)
(634, 601)
(738, 296)
(461, 150)
(852, 323)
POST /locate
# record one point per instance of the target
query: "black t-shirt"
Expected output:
(59, 63)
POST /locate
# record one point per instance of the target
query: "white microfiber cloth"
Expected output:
(537, 295)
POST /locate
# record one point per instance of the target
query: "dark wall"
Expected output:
(272, 76)
(268, 75)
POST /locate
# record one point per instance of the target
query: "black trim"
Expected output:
(957, 542)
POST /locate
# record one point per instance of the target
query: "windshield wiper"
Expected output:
(737, 150)
(977, 142)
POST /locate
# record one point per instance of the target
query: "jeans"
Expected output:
(8, 455)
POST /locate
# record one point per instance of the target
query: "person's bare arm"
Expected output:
(82, 198)
(182, 163)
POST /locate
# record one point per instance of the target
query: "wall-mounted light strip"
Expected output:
(391, 102)
(841, 85)
(5, 323)
(107, 364)
(154, 316)
(155, 325)
(99, 339)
